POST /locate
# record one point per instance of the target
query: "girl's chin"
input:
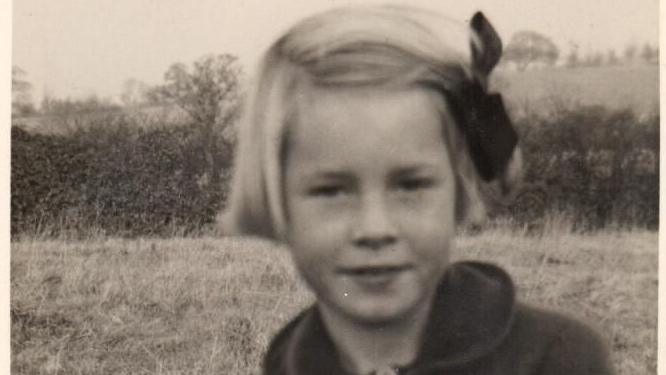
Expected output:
(375, 299)
(380, 319)
(379, 311)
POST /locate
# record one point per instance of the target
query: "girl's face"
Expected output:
(369, 193)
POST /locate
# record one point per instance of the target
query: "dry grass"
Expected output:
(210, 306)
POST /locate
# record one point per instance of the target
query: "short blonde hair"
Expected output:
(356, 46)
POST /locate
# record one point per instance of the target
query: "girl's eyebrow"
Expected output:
(328, 174)
(412, 169)
(400, 171)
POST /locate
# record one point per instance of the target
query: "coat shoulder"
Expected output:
(566, 345)
(275, 360)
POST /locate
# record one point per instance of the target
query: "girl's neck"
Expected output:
(364, 348)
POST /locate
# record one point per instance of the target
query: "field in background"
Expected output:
(210, 305)
(613, 87)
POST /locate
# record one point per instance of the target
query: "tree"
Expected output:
(649, 54)
(21, 93)
(208, 93)
(630, 53)
(572, 57)
(611, 58)
(135, 93)
(527, 47)
(594, 59)
(598, 59)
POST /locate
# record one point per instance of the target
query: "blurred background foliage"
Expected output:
(159, 163)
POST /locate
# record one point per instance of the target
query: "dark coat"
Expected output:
(475, 328)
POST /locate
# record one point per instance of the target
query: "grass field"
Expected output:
(614, 87)
(210, 305)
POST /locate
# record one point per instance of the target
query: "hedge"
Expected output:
(123, 178)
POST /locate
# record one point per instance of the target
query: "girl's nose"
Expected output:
(374, 229)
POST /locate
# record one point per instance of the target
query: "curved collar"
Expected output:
(471, 315)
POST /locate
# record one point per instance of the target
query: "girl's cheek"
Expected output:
(324, 218)
(331, 209)
(435, 204)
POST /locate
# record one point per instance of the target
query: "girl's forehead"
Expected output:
(368, 135)
(413, 104)
(312, 97)
(408, 123)
(348, 114)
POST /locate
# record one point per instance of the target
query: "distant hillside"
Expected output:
(635, 87)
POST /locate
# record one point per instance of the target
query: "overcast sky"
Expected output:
(80, 47)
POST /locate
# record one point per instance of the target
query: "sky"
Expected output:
(75, 48)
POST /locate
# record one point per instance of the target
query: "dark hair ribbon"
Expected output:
(486, 127)
(482, 118)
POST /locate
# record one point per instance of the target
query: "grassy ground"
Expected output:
(210, 306)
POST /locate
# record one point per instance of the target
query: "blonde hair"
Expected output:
(372, 45)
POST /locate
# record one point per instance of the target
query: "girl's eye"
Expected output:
(326, 191)
(414, 184)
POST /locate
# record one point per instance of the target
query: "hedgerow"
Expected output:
(120, 178)
(124, 178)
(598, 165)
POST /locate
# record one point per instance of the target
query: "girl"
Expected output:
(362, 148)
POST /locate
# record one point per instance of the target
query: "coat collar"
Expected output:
(471, 315)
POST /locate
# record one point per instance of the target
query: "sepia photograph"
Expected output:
(334, 187)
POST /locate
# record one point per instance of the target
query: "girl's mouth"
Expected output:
(373, 270)
(375, 279)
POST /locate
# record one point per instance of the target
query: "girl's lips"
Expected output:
(373, 270)
(374, 279)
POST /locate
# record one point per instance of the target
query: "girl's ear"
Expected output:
(489, 51)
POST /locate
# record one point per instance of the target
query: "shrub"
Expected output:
(600, 166)
(119, 178)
